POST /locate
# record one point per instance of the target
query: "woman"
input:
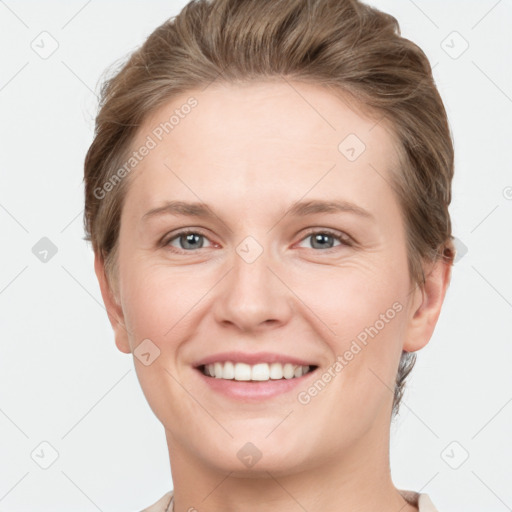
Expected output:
(267, 198)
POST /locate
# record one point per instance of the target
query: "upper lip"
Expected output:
(252, 358)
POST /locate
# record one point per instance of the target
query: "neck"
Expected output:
(351, 479)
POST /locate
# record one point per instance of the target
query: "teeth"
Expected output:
(228, 372)
(260, 372)
(276, 371)
(242, 372)
(256, 372)
(217, 369)
(288, 371)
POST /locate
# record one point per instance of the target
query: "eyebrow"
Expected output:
(300, 209)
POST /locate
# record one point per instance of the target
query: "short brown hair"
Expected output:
(344, 45)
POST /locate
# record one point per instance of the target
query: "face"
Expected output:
(261, 236)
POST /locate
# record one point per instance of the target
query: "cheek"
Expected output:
(164, 304)
(159, 305)
(355, 297)
(153, 303)
(368, 322)
(366, 311)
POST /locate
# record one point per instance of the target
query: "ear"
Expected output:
(114, 309)
(426, 305)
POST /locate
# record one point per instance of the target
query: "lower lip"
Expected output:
(253, 390)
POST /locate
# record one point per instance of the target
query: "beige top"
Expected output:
(422, 501)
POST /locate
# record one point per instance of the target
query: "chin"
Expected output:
(256, 459)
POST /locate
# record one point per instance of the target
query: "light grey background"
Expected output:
(63, 382)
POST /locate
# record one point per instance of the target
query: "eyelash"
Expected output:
(342, 238)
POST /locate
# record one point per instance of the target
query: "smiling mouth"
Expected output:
(259, 372)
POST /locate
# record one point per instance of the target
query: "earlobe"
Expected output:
(427, 305)
(114, 309)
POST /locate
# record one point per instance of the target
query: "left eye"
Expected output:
(323, 239)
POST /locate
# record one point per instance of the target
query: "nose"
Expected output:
(252, 296)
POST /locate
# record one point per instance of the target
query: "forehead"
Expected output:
(267, 137)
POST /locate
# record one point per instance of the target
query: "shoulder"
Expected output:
(161, 504)
(420, 500)
(425, 504)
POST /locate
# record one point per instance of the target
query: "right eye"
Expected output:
(188, 240)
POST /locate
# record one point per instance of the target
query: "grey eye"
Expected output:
(188, 240)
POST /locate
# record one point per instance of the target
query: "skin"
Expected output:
(250, 152)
